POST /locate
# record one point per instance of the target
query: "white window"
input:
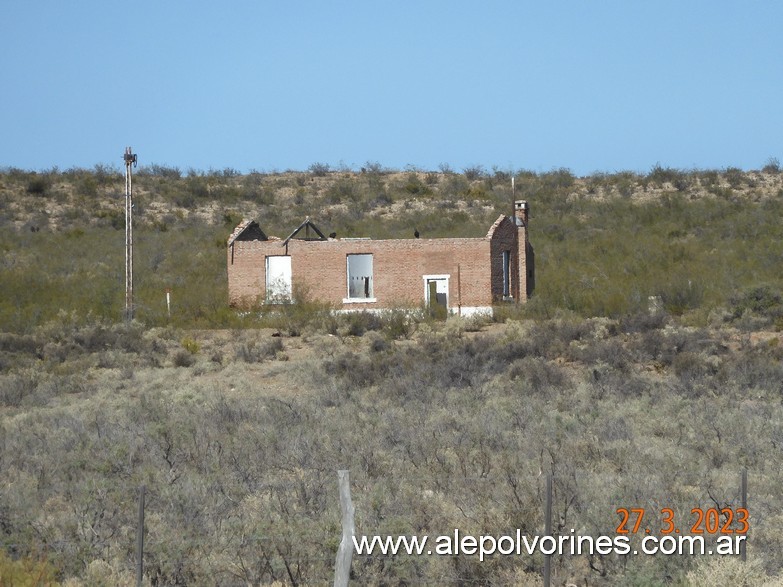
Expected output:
(360, 282)
(278, 279)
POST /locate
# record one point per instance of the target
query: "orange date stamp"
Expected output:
(700, 521)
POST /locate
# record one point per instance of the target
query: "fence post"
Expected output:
(548, 530)
(744, 499)
(140, 540)
(342, 567)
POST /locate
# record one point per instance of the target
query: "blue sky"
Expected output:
(592, 86)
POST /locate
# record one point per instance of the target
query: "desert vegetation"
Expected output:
(605, 243)
(646, 372)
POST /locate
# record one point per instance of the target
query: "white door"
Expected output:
(278, 279)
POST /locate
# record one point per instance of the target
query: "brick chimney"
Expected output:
(521, 212)
(526, 267)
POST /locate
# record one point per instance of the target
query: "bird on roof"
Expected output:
(332, 235)
(416, 232)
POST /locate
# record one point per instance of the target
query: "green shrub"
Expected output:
(681, 294)
(38, 186)
(659, 175)
(26, 572)
(190, 345)
(557, 179)
(414, 186)
(357, 323)
(763, 300)
(735, 177)
(474, 172)
(342, 191)
(401, 323)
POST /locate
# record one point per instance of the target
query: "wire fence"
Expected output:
(284, 553)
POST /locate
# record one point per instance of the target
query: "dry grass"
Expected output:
(236, 424)
(452, 419)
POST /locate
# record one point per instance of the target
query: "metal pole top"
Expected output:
(130, 157)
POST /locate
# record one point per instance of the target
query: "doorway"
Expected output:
(278, 279)
(436, 295)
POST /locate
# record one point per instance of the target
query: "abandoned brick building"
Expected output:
(463, 275)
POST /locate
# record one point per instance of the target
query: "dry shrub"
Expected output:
(754, 369)
(718, 571)
(537, 375)
(643, 321)
(15, 388)
(26, 571)
(690, 366)
(611, 352)
(357, 323)
(183, 358)
(256, 351)
(20, 343)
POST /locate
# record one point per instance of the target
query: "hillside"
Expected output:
(237, 423)
(58, 200)
(604, 243)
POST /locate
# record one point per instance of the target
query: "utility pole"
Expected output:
(130, 159)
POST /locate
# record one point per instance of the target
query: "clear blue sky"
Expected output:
(606, 85)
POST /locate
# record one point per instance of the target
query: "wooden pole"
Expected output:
(548, 530)
(140, 540)
(459, 291)
(744, 498)
(342, 567)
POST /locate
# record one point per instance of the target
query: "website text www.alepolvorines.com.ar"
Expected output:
(519, 544)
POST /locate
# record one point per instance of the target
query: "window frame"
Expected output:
(370, 298)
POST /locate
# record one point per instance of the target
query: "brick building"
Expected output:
(461, 275)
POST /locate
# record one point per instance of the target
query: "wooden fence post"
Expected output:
(548, 530)
(744, 499)
(342, 567)
(140, 540)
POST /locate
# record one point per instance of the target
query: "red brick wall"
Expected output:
(504, 238)
(246, 270)
(475, 267)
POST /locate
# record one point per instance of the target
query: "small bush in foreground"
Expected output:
(762, 300)
(26, 572)
(183, 358)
